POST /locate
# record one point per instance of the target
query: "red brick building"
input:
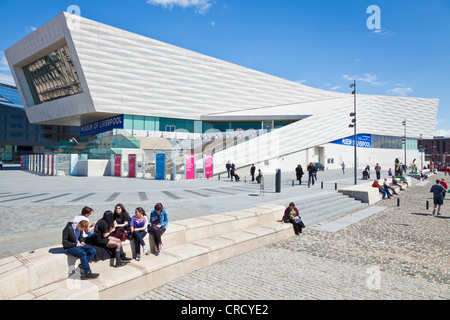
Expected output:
(436, 149)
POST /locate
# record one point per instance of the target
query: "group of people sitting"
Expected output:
(103, 239)
(386, 189)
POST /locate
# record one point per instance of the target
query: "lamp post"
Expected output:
(404, 124)
(421, 150)
(353, 125)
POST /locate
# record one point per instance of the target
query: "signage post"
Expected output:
(190, 166)
(208, 166)
(160, 166)
(132, 166)
(118, 165)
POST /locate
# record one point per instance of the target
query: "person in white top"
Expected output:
(85, 213)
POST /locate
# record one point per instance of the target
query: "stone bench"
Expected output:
(368, 194)
(189, 245)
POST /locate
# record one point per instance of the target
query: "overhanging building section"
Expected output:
(97, 72)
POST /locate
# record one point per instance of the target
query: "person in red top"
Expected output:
(375, 184)
(444, 184)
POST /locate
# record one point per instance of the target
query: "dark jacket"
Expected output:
(287, 213)
(68, 237)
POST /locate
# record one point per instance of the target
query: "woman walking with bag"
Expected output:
(158, 225)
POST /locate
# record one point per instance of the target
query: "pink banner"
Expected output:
(208, 165)
(21, 162)
(132, 166)
(117, 165)
(190, 166)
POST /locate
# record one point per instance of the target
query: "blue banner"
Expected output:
(102, 126)
(160, 167)
(363, 141)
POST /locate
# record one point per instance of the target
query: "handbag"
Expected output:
(300, 222)
(121, 234)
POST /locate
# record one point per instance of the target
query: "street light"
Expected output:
(353, 125)
(404, 124)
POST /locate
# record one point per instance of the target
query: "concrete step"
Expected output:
(335, 212)
(189, 244)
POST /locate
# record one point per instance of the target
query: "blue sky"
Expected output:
(320, 43)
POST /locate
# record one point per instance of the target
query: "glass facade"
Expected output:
(19, 137)
(133, 122)
(390, 142)
(53, 76)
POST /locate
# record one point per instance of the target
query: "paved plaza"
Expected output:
(400, 253)
(35, 208)
(395, 252)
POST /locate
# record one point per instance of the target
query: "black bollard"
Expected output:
(398, 202)
(321, 185)
(428, 205)
(335, 186)
(278, 181)
(293, 182)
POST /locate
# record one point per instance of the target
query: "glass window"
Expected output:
(53, 76)
(138, 123)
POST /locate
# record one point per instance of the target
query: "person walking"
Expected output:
(438, 196)
(378, 171)
(444, 184)
(343, 167)
(252, 171)
(232, 171)
(311, 172)
(228, 166)
(299, 174)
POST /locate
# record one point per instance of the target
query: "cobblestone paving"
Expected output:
(401, 253)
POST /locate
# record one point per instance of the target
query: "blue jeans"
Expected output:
(139, 240)
(382, 191)
(85, 254)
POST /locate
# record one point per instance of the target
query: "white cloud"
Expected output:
(3, 62)
(5, 72)
(401, 91)
(442, 133)
(213, 23)
(301, 81)
(335, 87)
(383, 32)
(7, 79)
(371, 79)
(200, 6)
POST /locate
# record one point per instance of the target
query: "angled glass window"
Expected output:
(53, 76)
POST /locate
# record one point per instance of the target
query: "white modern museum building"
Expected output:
(77, 72)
